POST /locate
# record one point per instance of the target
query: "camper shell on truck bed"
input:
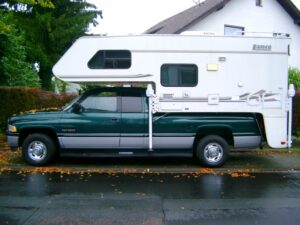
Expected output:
(210, 91)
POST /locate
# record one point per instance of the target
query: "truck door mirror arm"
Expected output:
(77, 108)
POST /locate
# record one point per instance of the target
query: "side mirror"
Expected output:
(76, 107)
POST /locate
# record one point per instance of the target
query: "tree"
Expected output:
(13, 5)
(51, 31)
(14, 69)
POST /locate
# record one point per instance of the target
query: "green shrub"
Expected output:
(294, 77)
(15, 100)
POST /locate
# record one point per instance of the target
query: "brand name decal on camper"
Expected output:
(262, 47)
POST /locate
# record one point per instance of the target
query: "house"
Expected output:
(238, 17)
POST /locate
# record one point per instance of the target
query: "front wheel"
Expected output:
(212, 151)
(38, 149)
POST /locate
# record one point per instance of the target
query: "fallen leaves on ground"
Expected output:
(232, 173)
(201, 171)
(241, 173)
(7, 156)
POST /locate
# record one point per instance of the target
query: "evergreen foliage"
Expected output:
(14, 68)
(51, 31)
(47, 29)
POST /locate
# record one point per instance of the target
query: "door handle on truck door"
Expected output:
(114, 119)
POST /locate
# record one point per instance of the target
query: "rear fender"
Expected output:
(224, 131)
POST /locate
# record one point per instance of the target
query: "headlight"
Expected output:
(12, 129)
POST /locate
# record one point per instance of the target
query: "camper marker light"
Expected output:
(212, 67)
(222, 59)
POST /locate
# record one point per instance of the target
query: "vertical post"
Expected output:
(150, 126)
(150, 93)
(291, 94)
(290, 123)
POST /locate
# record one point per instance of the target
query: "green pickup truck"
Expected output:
(113, 122)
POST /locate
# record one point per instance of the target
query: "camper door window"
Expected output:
(179, 75)
(110, 59)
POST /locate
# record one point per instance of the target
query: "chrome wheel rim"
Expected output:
(213, 152)
(37, 150)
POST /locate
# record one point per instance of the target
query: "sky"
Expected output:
(136, 16)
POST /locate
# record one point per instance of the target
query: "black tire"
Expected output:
(38, 149)
(219, 151)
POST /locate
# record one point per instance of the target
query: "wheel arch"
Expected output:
(25, 132)
(223, 131)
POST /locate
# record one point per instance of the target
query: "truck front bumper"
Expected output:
(12, 141)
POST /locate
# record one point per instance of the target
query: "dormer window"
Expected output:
(258, 3)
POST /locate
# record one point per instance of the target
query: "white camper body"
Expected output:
(234, 74)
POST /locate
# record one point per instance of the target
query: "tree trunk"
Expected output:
(45, 74)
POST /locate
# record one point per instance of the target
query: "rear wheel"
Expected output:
(212, 151)
(38, 149)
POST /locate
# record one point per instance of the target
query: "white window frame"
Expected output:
(239, 30)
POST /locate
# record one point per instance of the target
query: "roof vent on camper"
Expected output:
(199, 33)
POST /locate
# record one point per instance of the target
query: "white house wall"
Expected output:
(271, 17)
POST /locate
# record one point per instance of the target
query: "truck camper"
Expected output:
(205, 95)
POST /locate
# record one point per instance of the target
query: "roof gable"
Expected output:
(177, 23)
(291, 9)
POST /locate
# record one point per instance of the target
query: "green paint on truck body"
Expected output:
(129, 130)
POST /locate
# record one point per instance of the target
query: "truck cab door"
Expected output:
(133, 122)
(96, 126)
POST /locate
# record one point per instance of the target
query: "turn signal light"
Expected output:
(12, 128)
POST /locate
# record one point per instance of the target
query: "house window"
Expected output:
(233, 30)
(258, 3)
(179, 75)
(110, 59)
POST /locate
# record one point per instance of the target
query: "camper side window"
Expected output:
(179, 75)
(110, 59)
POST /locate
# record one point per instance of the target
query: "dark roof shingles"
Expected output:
(291, 9)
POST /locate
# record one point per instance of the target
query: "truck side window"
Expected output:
(101, 102)
(131, 104)
(110, 59)
(179, 75)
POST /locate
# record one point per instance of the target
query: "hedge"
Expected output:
(15, 100)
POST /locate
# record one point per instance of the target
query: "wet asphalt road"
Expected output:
(149, 199)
